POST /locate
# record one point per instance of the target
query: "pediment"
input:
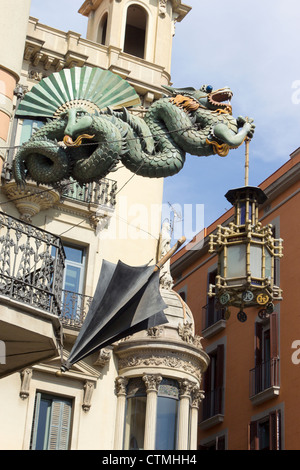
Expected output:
(81, 370)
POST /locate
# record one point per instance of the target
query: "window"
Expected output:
(218, 443)
(135, 33)
(73, 283)
(212, 313)
(265, 433)
(266, 371)
(214, 384)
(167, 415)
(135, 415)
(51, 423)
(101, 39)
(74, 268)
(166, 418)
(29, 128)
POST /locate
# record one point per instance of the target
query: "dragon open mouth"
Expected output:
(221, 99)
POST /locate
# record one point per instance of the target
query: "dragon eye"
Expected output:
(209, 89)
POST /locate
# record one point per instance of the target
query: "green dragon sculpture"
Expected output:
(87, 142)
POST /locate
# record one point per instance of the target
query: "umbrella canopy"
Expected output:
(127, 299)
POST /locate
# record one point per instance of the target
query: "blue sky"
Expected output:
(252, 47)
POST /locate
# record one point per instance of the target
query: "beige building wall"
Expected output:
(130, 233)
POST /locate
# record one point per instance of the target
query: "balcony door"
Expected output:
(73, 282)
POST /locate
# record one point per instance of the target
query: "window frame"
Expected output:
(56, 435)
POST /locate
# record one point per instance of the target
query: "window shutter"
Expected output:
(275, 438)
(253, 435)
(35, 421)
(258, 344)
(59, 425)
(219, 379)
(274, 335)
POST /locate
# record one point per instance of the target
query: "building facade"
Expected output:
(126, 395)
(251, 384)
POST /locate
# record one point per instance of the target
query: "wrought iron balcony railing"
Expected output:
(100, 193)
(213, 403)
(264, 376)
(74, 307)
(211, 314)
(31, 265)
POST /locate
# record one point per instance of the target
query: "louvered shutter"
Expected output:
(275, 438)
(219, 386)
(274, 335)
(253, 435)
(59, 425)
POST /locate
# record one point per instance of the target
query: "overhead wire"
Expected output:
(75, 182)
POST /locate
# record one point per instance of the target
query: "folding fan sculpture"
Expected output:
(127, 300)
(90, 130)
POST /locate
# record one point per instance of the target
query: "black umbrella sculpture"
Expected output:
(127, 300)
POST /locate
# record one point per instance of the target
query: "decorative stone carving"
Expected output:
(87, 396)
(152, 382)
(103, 358)
(155, 331)
(26, 376)
(185, 332)
(162, 8)
(159, 358)
(166, 280)
(197, 396)
(120, 385)
(185, 388)
(35, 75)
(30, 200)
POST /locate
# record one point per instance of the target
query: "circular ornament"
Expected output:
(224, 298)
(247, 296)
(263, 314)
(270, 308)
(241, 316)
(262, 299)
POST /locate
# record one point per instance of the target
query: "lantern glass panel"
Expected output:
(268, 262)
(243, 212)
(256, 261)
(236, 261)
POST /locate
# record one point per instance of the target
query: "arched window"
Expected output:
(101, 38)
(135, 32)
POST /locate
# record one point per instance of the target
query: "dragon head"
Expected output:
(78, 122)
(215, 100)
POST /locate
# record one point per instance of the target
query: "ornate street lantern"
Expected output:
(246, 255)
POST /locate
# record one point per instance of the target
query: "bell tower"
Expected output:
(137, 35)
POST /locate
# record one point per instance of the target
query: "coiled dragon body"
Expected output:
(88, 146)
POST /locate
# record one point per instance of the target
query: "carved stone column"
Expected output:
(197, 396)
(120, 383)
(151, 382)
(185, 388)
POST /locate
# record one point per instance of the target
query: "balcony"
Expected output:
(264, 381)
(213, 319)
(31, 273)
(212, 408)
(74, 307)
(95, 201)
